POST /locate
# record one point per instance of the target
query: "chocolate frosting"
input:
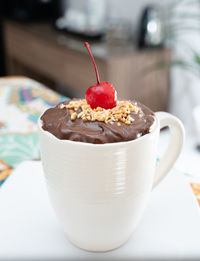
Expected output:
(58, 122)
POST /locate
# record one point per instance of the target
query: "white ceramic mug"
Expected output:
(99, 191)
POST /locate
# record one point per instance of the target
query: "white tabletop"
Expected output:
(169, 229)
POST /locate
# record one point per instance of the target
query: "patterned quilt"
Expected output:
(22, 101)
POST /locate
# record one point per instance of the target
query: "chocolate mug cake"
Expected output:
(75, 120)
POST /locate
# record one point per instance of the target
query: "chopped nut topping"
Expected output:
(73, 116)
(120, 113)
(62, 106)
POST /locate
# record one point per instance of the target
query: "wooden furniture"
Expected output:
(39, 51)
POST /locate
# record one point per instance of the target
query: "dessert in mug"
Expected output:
(99, 118)
(99, 159)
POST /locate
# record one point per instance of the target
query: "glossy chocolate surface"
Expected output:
(58, 122)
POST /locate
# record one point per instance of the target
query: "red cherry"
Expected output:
(101, 94)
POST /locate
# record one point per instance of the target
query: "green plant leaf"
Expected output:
(196, 57)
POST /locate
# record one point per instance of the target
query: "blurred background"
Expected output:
(149, 49)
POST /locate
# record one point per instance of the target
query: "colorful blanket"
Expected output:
(22, 101)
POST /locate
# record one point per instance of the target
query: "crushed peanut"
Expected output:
(73, 116)
(120, 113)
(62, 106)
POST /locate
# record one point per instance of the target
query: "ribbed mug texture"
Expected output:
(99, 192)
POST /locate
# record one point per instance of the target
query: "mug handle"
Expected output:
(177, 134)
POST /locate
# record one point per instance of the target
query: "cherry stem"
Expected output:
(93, 61)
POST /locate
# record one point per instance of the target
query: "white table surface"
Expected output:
(169, 229)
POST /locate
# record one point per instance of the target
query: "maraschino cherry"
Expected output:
(101, 94)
